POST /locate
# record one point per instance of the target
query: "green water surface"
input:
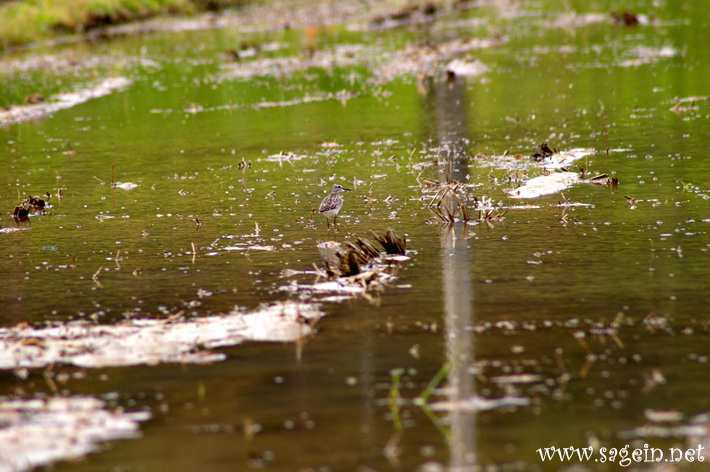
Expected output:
(592, 314)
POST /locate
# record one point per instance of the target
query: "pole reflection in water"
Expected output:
(458, 298)
(449, 105)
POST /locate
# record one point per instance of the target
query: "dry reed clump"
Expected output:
(450, 197)
(361, 255)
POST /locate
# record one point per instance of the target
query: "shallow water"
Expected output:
(592, 317)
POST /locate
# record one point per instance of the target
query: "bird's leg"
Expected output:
(335, 225)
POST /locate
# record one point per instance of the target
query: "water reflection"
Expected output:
(448, 100)
(330, 411)
(456, 260)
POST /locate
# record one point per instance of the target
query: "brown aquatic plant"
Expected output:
(626, 18)
(491, 215)
(360, 257)
(579, 336)
(349, 260)
(366, 247)
(631, 202)
(450, 197)
(602, 331)
(545, 151)
(564, 373)
(446, 215)
(348, 257)
(29, 206)
(391, 242)
(605, 179)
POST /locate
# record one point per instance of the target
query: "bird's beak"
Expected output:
(348, 189)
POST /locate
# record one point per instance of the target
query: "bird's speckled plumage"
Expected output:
(331, 205)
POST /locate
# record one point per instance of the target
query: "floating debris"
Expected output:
(344, 260)
(39, 432)
(664, 416)
(649, 55)
(463, 68)
(545, 185)
(255, 247)
(12, 230)
(39, 109)
(576, 20)
(555, 176)
(658, 431)
(418, 60)
(628, 18)
(151, 341)
(545, 151)
(687, 104)
(353, 268)
(414, 60)
(516, 379)
(30, 206)
(477, 403)
(125, 185)
(558, 160)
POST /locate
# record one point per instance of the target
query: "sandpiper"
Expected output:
(331, 205)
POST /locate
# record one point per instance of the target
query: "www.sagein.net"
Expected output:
(624, 456)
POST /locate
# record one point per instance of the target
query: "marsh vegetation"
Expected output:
(522, 260)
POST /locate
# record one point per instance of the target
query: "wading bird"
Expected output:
(331, 205)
